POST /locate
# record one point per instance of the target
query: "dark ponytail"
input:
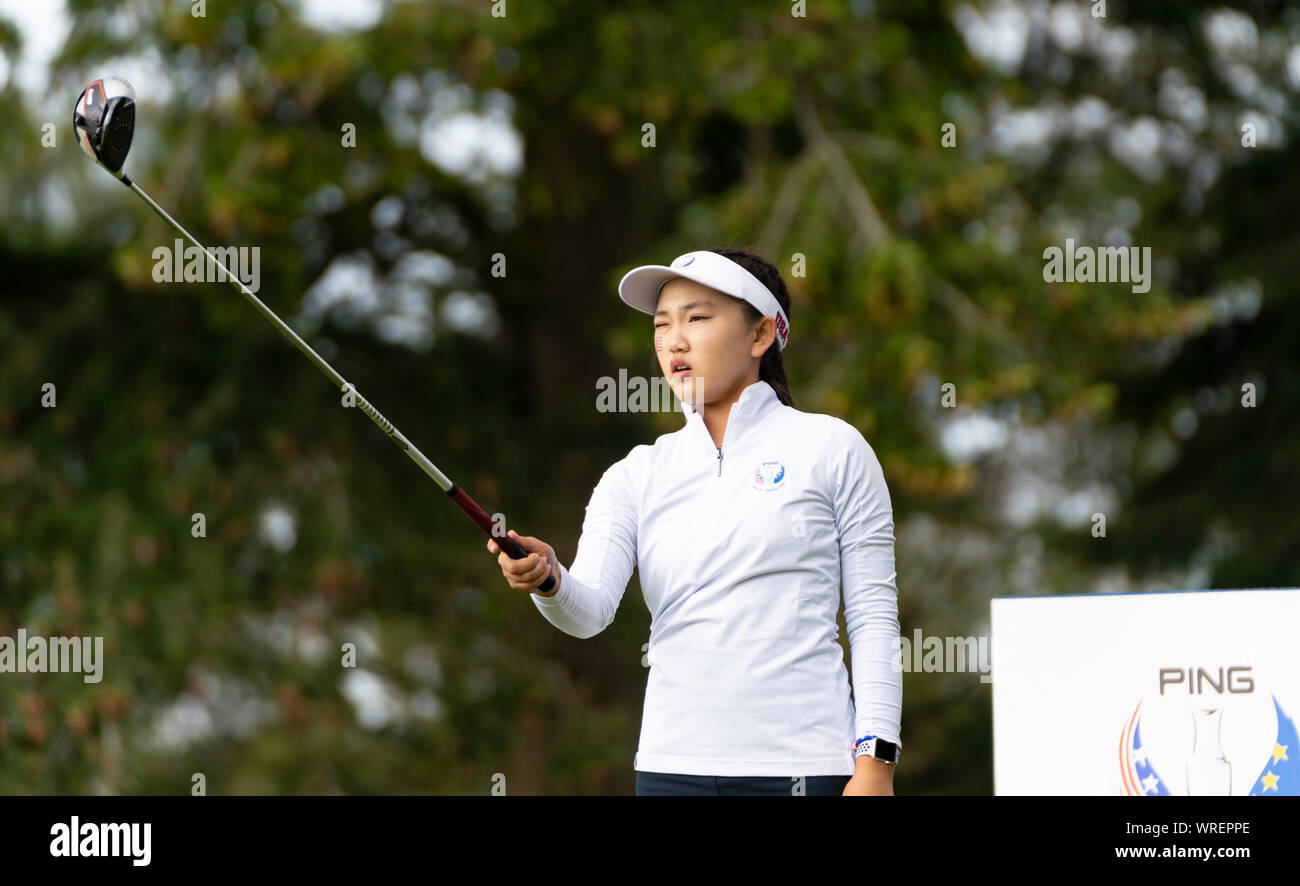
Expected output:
(771, 368)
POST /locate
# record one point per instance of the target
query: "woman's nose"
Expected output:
(672, 339)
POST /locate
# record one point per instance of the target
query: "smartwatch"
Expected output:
(882, 750)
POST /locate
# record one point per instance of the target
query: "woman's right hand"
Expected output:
(527, 573)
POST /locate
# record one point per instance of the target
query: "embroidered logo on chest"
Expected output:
(769, 475)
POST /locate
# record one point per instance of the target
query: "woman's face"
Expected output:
(708, 333)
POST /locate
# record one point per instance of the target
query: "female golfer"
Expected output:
(744, 525)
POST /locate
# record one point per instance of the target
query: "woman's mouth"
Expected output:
(681, 370)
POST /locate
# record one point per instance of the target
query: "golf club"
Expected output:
(104, 122)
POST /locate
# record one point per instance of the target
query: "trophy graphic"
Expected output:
(1208, 771)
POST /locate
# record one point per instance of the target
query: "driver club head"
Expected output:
(104, 121)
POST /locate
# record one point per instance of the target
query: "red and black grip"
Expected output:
(505, 542)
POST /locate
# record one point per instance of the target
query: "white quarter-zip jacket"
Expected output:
(742, 552)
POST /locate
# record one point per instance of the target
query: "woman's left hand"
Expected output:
(871, 778)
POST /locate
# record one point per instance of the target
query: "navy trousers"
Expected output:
(664, 784)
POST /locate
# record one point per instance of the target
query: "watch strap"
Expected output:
(881, 749)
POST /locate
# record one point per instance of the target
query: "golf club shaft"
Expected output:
(458, 495)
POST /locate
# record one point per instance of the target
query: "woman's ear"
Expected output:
(764, 335)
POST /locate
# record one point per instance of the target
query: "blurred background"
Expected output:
(813, 134)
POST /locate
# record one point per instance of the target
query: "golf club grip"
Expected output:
(505, 542)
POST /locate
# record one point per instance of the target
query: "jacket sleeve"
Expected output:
(590, 590)
(864, 518)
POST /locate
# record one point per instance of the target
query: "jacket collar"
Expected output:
(749, 410)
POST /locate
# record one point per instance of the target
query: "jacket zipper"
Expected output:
(719, 461)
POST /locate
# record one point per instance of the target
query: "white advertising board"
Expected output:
(1147, 694)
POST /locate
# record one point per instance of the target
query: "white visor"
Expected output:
(640, 286)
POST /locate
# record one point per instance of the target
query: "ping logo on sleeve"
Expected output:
(769, 475)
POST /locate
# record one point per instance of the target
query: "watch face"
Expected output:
(887, 751)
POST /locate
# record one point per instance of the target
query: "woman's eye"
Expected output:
(692, 317)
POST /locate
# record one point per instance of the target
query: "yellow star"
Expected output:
(1279, 752)
(1270, 781)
